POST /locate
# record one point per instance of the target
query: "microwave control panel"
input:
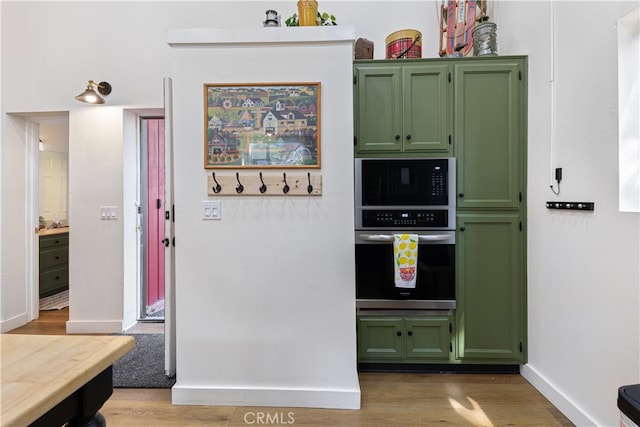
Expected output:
(405, 218)
(439, 181)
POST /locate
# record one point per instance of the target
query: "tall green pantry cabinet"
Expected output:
(490, 150)
(475, 110)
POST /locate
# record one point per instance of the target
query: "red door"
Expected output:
(155, 215)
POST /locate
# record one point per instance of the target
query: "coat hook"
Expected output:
(263, 188)
(285, 189)
(309, 187)
(240, 187)
(217, 188)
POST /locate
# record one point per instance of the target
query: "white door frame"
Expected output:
(33, 244)
(32, 139)
(169, 319)
(169, 261)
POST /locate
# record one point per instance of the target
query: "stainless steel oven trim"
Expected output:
(386, 236)
(451, 177)
(451, 216)
(400, 304)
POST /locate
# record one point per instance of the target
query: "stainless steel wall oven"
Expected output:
(405, 196)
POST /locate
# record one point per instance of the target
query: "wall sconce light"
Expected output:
(89, 96)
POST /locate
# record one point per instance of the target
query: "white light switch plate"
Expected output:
(108, 212)
(211, 209)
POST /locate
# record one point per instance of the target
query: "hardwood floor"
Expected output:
(388, 399)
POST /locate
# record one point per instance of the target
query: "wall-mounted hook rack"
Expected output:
(239, 187)
(217, 187)
(264, 183)
(263, 187)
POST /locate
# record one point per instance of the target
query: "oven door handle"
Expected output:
(389, 237)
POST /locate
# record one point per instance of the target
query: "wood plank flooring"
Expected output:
(388, 399)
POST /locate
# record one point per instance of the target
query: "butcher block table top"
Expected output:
(39, 371)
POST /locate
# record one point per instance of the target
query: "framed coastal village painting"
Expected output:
(262, 125)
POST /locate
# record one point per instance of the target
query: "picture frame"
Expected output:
(262, 125)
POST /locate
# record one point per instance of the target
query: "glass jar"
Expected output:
(484, 38)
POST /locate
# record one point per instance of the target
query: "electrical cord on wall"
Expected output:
(558, 179)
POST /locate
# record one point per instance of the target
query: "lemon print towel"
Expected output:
(405, 259)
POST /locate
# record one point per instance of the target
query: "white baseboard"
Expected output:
(94, 327)
(284, 398)
(14, 322)
(576, 415)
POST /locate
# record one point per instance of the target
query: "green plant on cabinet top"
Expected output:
(323, 18)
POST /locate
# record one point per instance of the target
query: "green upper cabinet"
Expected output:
(402, 107)
(487, 127)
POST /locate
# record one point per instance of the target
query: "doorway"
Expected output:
(152, 219)
(53, 223)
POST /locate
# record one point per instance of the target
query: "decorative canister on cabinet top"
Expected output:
(307, 13)
(273, 19)
(485, 38)
(404, 44)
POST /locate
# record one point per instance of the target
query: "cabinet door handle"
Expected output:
(462, 228)
(461, 195)
(397, 137)
(410, 333)
(58, 257)
(398, 333)
(408, 137)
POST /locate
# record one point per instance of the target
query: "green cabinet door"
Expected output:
(426, 111)
(428, 338)
(488, 112)
(378, 116)
(54, 264)
(411, 339)
(380, 338)
(489, 291)
(402, 108)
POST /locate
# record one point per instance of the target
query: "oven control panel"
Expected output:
(405, 218)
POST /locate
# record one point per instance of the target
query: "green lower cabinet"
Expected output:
(404, 339)
(54, 264)
(428, 338)
(489, 288)
(380, 338)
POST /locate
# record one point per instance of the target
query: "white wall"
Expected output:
(273, 279)
(55, 136)
(583, 283)
(16, 233)
(95, 179)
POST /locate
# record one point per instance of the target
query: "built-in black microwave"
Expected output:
(414, 193)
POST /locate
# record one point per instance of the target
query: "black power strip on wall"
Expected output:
(576, 206)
